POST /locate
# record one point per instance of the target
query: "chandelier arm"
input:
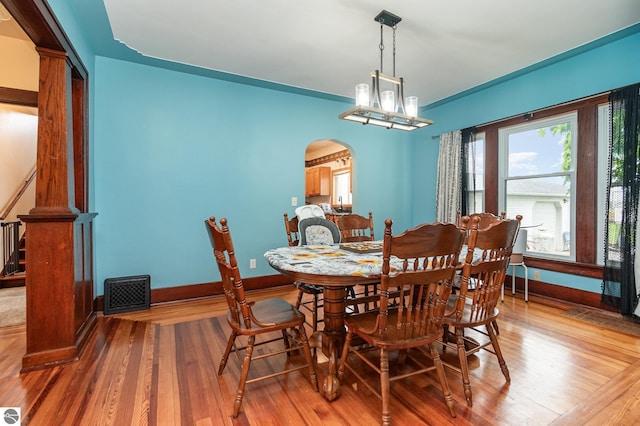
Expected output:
(401, 96)
(376, 89)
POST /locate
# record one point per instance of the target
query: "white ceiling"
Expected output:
(443, 47)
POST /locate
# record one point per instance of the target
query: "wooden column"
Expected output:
(58, 236)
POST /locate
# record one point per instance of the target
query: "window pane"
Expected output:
(342, 188)
(541, 150)
(615, 223)
(536, 175)
(545, 205)
(475, 175)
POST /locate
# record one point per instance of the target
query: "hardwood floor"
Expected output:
(160, 367)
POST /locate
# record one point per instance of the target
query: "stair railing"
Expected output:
(18, 195)
(10, 249)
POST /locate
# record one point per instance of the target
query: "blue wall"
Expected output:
(606, 64)
(172, 148)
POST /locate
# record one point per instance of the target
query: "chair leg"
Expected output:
(384, 386)
(446, 391)
(243, 376)
(464, 366)
(227, 351)
(311, 360)
(498, 352)
(299, 301)
(351, 293)
(287, 344)
(344, 356)
(314, 313)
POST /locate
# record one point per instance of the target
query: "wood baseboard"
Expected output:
(196, 291)
(554, 291)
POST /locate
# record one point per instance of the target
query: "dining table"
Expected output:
(334, 267)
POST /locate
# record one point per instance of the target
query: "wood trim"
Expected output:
(566, 267)
(39, 23)
(59, 282)
(196, 291)
(491, 179)
(587, 175)
(12, 96)
(558, 292)
(328, 158)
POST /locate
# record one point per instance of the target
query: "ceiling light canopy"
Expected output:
(386, 108)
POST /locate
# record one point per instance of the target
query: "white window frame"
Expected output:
(503, 167)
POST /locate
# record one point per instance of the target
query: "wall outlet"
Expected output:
(294, 201)
(252, 263)
(536, 275)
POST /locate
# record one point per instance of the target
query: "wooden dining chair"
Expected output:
(275, 318)
(424, 264)
(291, 228)
(356, 228)
(485, 219)
(476, 311)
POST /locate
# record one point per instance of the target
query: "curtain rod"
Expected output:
(531, 113)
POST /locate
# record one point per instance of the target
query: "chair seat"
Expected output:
(394, 338)
(309, 288)
(469, 317)
(275, 313)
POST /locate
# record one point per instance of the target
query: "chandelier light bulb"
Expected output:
(387, 101)
(411, 105)
(362, 94)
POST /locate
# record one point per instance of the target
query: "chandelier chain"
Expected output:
(394, 50)
(381, 46)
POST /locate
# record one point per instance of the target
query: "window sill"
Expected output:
(574, 268)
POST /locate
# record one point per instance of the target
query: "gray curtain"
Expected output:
(448, 189)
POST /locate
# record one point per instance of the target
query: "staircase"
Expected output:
(10, 276)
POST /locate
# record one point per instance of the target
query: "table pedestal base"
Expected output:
(333, 337)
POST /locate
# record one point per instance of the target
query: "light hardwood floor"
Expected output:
(160, 367)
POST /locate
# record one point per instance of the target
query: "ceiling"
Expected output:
(328, 46)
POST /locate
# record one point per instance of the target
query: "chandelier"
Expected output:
(386, 108)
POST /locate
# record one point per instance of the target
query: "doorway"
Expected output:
(329, 171)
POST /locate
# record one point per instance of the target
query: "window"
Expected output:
(342, 187)
(536, 179)
(475, 175)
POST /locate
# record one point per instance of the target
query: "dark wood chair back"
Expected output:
(355, 228)
(291, 228)
(486, 218)
(429, 254)
(225, 257)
